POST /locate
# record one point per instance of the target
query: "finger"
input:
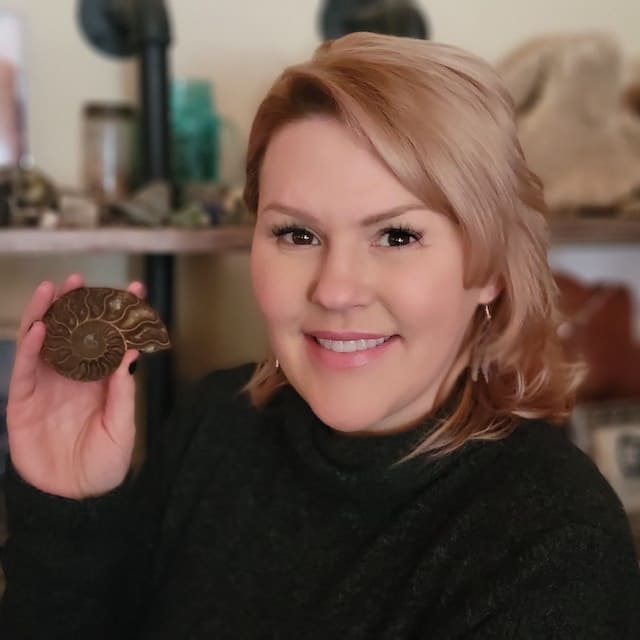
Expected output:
(73, 281)
(23, 377)
(119, 410)
(138, 289)
(36, 307)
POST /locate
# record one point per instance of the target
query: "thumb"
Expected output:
(120, 405)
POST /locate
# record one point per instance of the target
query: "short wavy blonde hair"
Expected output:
(442, 122)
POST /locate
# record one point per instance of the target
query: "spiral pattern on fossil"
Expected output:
(89, 329)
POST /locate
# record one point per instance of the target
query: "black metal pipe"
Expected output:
(159, 368)
(154, 113)
(154, 39)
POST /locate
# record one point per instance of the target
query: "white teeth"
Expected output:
(347, 346)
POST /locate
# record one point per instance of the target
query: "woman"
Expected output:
(392, 469)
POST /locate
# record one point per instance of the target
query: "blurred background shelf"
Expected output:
(21, 241)
(181, 241)
(595, 231)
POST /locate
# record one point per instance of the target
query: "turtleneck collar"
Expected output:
(361, 466)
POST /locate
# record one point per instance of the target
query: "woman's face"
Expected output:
(359, 282)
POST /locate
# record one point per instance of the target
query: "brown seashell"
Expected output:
(89, 329)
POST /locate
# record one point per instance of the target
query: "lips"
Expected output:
(347, 350)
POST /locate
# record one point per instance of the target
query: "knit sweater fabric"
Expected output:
(247, 524)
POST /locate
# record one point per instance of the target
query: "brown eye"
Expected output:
(295, 235)
(301, 236)
(398, 237)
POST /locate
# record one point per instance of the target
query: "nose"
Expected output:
(343, 280)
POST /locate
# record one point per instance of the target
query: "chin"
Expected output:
(346, 419)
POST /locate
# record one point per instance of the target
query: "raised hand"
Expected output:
(68, 438)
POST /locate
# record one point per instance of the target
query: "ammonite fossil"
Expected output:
(89, 330)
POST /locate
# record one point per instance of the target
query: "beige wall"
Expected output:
(241, 45)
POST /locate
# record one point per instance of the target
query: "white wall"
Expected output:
(240, 45)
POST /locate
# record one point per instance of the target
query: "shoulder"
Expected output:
(545, 524)
(217, 397)
(541, 465)
(548, 494)
(206, 405)
(535, 479)
(224, 385)
(219, 390)
(229, 379)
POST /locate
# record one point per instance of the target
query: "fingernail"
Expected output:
(133, 366)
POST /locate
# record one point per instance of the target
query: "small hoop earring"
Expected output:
(479, 361)
(277, 364)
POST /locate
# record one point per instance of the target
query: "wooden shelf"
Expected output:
(595, 231)
(20, 241)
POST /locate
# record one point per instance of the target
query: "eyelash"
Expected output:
(416, 236)
(279, 231)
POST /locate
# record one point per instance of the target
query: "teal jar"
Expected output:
(195, 132)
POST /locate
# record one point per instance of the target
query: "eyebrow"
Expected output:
(369, 221)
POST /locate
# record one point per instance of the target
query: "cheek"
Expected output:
(276, 289)
(262, 279)
(434, 304)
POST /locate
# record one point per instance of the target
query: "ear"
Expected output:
(488, 293)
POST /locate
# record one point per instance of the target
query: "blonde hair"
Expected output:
(442, 122)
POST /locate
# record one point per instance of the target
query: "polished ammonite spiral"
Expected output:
(89, 329)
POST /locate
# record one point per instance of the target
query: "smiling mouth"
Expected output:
(349, 346)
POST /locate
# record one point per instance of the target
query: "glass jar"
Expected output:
(109, 147)
(194, 132)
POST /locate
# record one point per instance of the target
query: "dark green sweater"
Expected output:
(267, 524)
